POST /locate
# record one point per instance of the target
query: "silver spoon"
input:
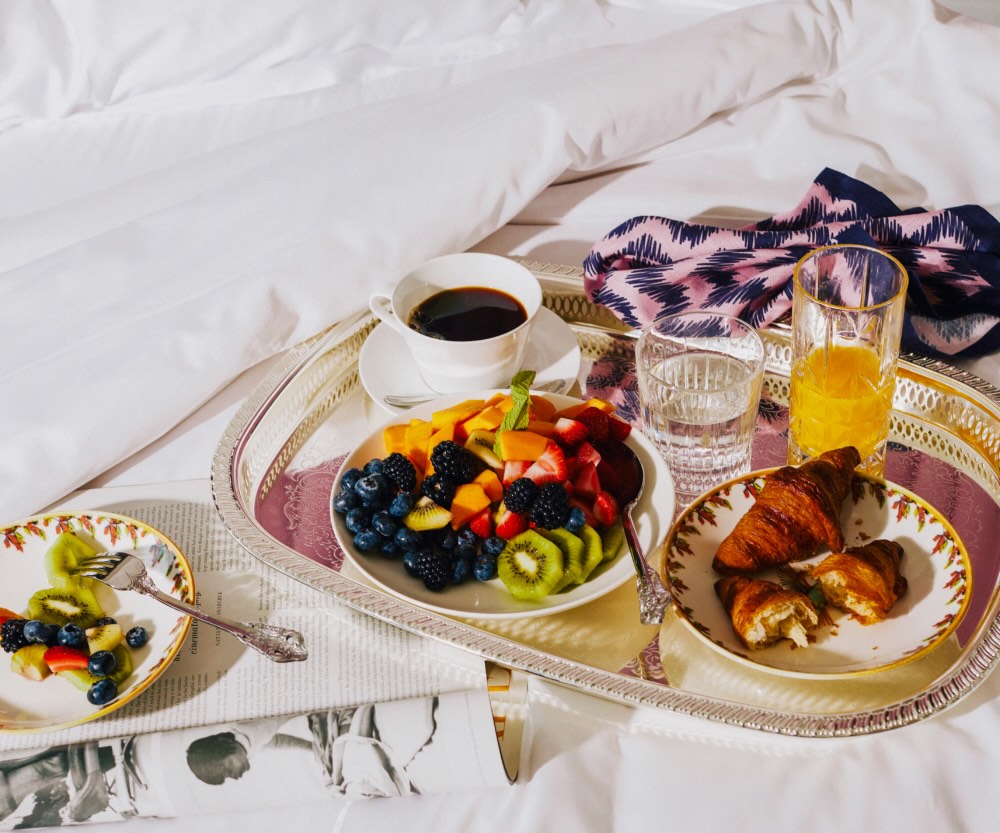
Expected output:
(555, 386)
(654, 598)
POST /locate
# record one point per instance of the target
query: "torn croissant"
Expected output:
(863, 581)
(796, 515)
(763, 612)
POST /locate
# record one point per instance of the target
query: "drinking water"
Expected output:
(700, 408)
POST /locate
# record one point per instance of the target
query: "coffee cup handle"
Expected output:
(381, 306)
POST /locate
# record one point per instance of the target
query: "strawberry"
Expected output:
(618, 429)
(596, 422)
(586, 453)
(586, 483)
(510, 523)
(549, 467)
(605, 508)
(482, 523)
(61, 658)
(609, 477)
(570, 432)
(513, 469)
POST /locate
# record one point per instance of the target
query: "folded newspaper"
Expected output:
(374, 711)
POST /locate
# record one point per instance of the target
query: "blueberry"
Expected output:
(136, 636)
(103, 691)
(72, 636)
(367, 540)
(102, 663)
(40, 632)
(410, 562)
(465, 551)
(389, 548)
(372, 487)
(345, 501)
(373, 466)
(105, 620)
(401, 505)
(384, 524)
(357, 520)
(460, 570)
(484, 568)
(467, 536)
(494, 545)
(408, 539)
(448, 539)
(575, 520)
(350, 477)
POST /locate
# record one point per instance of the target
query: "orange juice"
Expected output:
(839, 398)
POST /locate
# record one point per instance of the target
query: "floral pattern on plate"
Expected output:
(30, 706)
(935, 563)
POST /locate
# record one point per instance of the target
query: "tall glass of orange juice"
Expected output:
(847, 319)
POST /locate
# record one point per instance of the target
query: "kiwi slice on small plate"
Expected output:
(28, 563)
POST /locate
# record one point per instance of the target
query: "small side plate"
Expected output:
(385, 365)
(29, 706)
(935, 564)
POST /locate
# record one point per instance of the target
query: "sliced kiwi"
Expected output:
(480, 442)
(83, 679)
(104, 637)
(530, 566)
(76, 605)
(426, 514)
(612, 538)
(572, 550)
(62, 560)
(29, 662)
(593, 551)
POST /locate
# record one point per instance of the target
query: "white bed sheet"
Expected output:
(166, 230)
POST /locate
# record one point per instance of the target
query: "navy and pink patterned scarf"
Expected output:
(650, 266)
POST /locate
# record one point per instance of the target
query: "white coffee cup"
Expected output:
(455, 366)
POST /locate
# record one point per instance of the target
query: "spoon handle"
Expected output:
(654, 598)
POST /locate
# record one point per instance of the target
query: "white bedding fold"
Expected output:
(134, 295)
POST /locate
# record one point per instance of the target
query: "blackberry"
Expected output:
(12, 635)
(400, 471)
(440, 488)
(520, 495)
(453, 461)
(551, 508)
(434, 569)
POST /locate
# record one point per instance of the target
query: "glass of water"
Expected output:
(700, 377)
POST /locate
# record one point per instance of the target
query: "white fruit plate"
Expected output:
(34, 706)
(490, 599)
(935, 564)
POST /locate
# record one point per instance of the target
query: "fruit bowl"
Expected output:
(490, 599)
(28, 705)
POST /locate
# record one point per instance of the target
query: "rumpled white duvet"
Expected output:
(189, 187)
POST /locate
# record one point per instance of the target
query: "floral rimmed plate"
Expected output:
(490, 599)
(29, 706)
(935, 564)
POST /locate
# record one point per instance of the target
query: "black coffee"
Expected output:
(469, 313)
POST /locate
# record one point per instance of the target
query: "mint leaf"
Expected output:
(517, 416)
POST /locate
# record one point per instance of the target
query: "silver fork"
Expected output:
(123, 571)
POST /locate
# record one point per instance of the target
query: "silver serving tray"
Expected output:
(275, 463)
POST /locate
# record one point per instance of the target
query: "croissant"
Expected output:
(797, 514)
(864, 581)
(763, 612)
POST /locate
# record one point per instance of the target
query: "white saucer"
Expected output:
(386, 368)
